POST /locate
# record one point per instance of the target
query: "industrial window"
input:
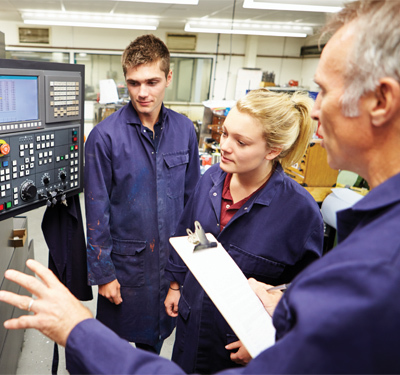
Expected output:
(62, 57)
(191, 79)
(99, 67)
(191, 82)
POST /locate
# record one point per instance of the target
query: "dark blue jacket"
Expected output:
(340, 315)
(274, 235)
(134, 196)
(63, 231)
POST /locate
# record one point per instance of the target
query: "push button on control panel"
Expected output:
(4, 148)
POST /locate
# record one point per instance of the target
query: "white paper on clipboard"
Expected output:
(230, 291)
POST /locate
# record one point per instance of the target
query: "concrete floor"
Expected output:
(37, 351)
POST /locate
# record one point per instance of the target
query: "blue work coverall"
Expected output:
(273, 236)
(134, 196)
(339, 316)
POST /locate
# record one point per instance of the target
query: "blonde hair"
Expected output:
(285, 119)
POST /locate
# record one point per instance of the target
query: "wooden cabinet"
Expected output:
(313, 170)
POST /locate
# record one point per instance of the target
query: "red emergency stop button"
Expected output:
(4, 149)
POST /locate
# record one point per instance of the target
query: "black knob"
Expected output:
(63, 176)
(28, 191)
(46, 180)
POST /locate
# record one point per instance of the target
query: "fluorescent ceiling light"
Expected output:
(81, 19)
(248, 28)
(306, 6)
(179, 2)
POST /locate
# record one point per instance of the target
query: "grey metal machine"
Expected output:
(41, 134)
(41, 161)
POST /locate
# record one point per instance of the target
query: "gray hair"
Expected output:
(376, 48)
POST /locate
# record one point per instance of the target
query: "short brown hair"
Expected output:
(146, 49)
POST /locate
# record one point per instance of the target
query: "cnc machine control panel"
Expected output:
(41, 134)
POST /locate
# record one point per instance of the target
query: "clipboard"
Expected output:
(229, 290)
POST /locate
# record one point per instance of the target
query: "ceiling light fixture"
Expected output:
(81, 19)
(305, 6)
(248, 28)
(178, 2)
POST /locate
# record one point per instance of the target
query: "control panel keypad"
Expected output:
(64, 97)
(35, 165)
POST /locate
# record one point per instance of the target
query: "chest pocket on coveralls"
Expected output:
(256, 266)
(128, 258)
(177, 164)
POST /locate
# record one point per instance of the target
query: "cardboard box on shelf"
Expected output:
(18, 237)
(267, 84)
(20, 232)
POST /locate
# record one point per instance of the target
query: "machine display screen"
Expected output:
(18, 98)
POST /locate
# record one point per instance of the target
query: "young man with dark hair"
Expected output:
(141, 164)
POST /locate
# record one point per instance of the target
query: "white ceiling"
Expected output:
(170, 16)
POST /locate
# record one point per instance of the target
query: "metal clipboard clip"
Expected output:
(199, 238)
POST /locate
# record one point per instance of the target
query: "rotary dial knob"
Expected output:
(62, 175)
(28, 190)
(46, 179)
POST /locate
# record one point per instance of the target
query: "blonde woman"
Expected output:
(268, 223)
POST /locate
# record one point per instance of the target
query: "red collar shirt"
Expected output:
(228, 208)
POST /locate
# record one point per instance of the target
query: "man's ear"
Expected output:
(169, 78)
(387, 101)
